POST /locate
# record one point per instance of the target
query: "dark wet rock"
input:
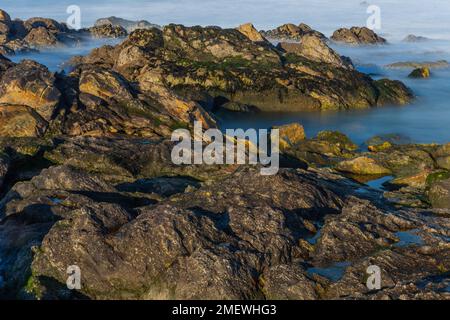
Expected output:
(128, 25)
(220, 241)
(5, 64)
(288, 282)
(292, 32)
(417, 65)
(237, 107)
(128, 159)
(357, 36)
(4, 165)
(420, 73)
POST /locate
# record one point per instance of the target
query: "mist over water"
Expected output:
(425, 120)
(399, 18)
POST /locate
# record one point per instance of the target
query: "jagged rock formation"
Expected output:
(292, 32)
(315, 49)
(357, 36)
(128, 25)
(417, 65)
(216, 66)
(243, 237)
(250, 32)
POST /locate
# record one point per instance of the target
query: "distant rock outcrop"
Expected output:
(128, 25)
(357, 36)
(414, 38)
(417, 65)
(292, 32)
(36, 33)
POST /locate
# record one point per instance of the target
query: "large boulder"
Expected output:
(31, 84)
(20, 121)
(420, 73)
(51, 25)
(362, 166)
(357, 36)
(315, 49)
(41, 37)
(250, 32)
(442, 156)
(290, 135)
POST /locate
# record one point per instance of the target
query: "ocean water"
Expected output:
(426, 120)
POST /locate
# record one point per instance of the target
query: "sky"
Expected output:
(399, 17)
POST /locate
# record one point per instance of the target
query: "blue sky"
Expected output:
(399, 17)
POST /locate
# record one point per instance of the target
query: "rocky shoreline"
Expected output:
(86, 176)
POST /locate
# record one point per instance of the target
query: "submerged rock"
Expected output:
(357, 36)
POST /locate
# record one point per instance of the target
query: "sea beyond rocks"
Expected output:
(86, 175)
